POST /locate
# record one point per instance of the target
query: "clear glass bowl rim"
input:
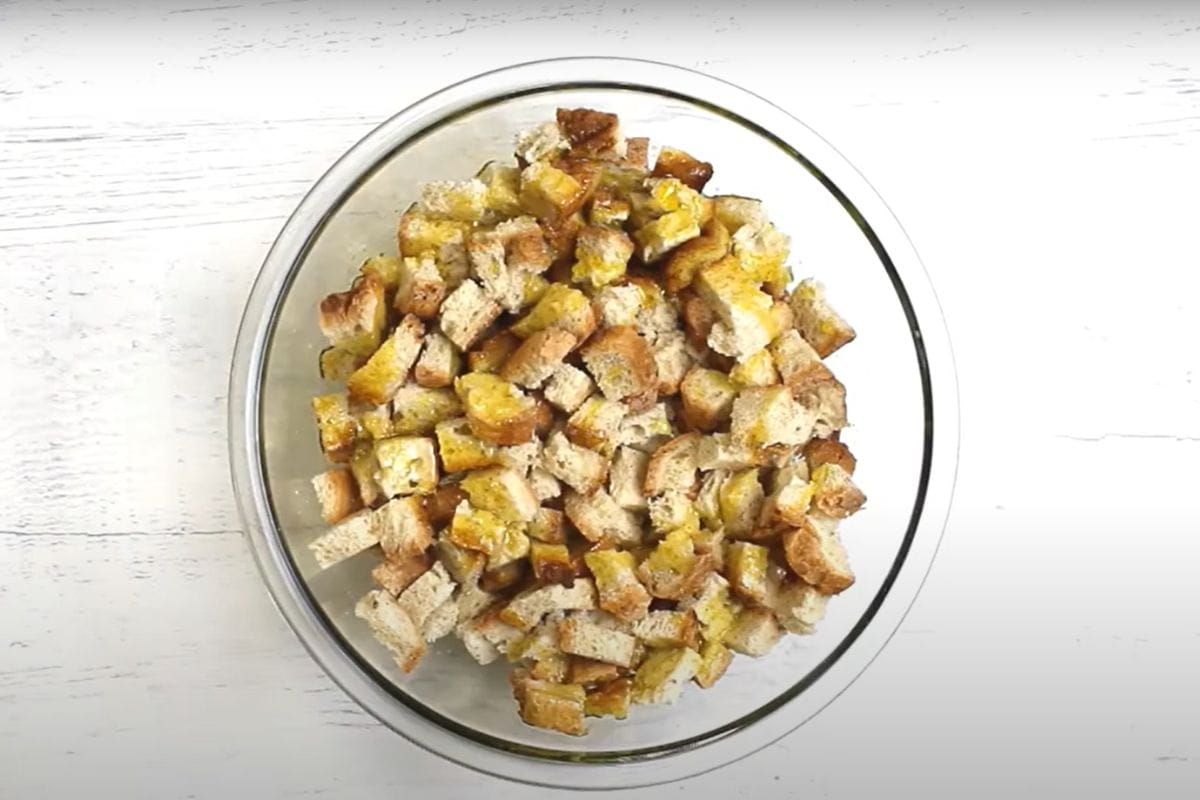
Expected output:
(930, 338)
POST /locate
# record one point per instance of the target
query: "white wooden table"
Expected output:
(1045, 161)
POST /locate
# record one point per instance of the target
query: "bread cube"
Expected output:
(551, 563)
(460, 449)
(673, 569)
(580, 468)
(600, 520)
(601, 255)
(596, 424)
(829, 451)
(547, 526)
(337, 364)
(714, 660)
(464, 565)
(671, 511)
(438, 364)
(418, 411)
(353, 321)
(337, 493)
(580, 637)
(816, 320)
(747, 323)
(496, 410)
(387, 369)
(761, 249)
(712, 607)
(527, 609)
(708, 398)
(625, 478)
(736, 212)
(618, 305)
(619, 590)
(746, 569)
(673, 466)
(586, 672)
(554, 706)
(667, 629)
(799, 607)
(396, 575)
(502, 188)
(503, 492)
(407, 465)
(476, 529)
(758, 369)
(540, 143)
(687, 259)
(392, 627)
(537, 358)
(560, 307)
(493, 352)
(673, 163)
(549, 193)
(741, 502)
(767, 415)
(835, 494)
(466, 314)
(590, 132)
(465, 201)
(661, 677)
(349, 537)
(754, 632)
(815, 553)
(337, 426)
(426, 594)
(404, 527)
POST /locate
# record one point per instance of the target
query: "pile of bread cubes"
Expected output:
(586, 426)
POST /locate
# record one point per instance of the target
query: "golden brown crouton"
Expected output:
(396, 575)
(661, 677)
(438, 364)
(626, 476)
(348, 537)
(768, 415)
(590, 132)
(551, 563)
(407, 465)
(673, 466)
(492, 352)
(337, 364)
(622, 364)
(421, 288)
(741, 502)
(596, 424)
(549, 193)
(387, 369)
(537, 357)
(560, 307)
(497, 411)
(404, 527)
(600, 520)
(714, 660)
(690, 257)
(502, 491)
(587, 672)
(746, 567)
(708, 398)
(601, 255)
(547, 526)
(337, 493)
(579, 636)
(353, 321)
(466, 314)
(829, 451)
(568, 387)
(836, 495)
(667, 629)
(637, 152)
(692, 172)
(417, 410)
(337, 426)
(673, 569)
(580, 468)
(815, 554)
(816, 320)
(755, 631)
(554, 706)
(527, 609)
(620, 592)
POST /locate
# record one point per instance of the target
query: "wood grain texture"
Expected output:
(1043, 159)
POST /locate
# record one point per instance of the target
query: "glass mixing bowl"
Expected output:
(899, 374)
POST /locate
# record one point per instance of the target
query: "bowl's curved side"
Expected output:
(930, 341)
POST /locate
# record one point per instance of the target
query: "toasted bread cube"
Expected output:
(540, 143)
(465, 201)
(754, 632)
(671, 511)
(736, 212)
(767, 415)
(421, 287)
(622, 365)
(466, 313)
(568, 387)
(527, 609)
(673, 466)
(551, 562)
(685, 261)
(661, 677)
(464, 565)
(647, 430)
(376, 422)
(387, 369)
(538, 357)
(582, 469)
(506, 577)
(829, 451)
(799, 607)
(671, 360)
(502, 257)
(407, 465)
(698, 320)
(493, 352)
(795, 359)
(475, 529)
(692, 172)
(625, 478)
(673, 570)
(586, 672)
(473, 601)
(666, 195)
(349, 537)
(551, 667)
(353, 321)
(789, 501)
(596, 424)
(747, 323)
(618, 305)
(816, 320)
(418, 411)
(394, 576)
(337, 364)
(497, 411)
(547, 526)
(620, 592)
(426, 594)
(554, 706)
(539, 643)
(757, 370)
(601, 254)
(404, 527)
(392, 627)
(485, 636)
(549, 193)
(337, 426)
(600, 519)
(667, 629)
(438, 364)
(708, 498)
(364, 466)
(503, 492)
(589, 132)
(440, 623)
(761, 249)
(514, 548)
(708, 398)
(815, 553)
(741, 502)
(714, 660)
(836, 495)
(606, 208)
(502, 188)
(384, 267)
(440, 505)
(560, 307)
(746, 568)
(446, 239)
(461, 450)
(662, 235)
(720, 451)
(580, 637)
(337, 493)
(712, 607)
(658, 314)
